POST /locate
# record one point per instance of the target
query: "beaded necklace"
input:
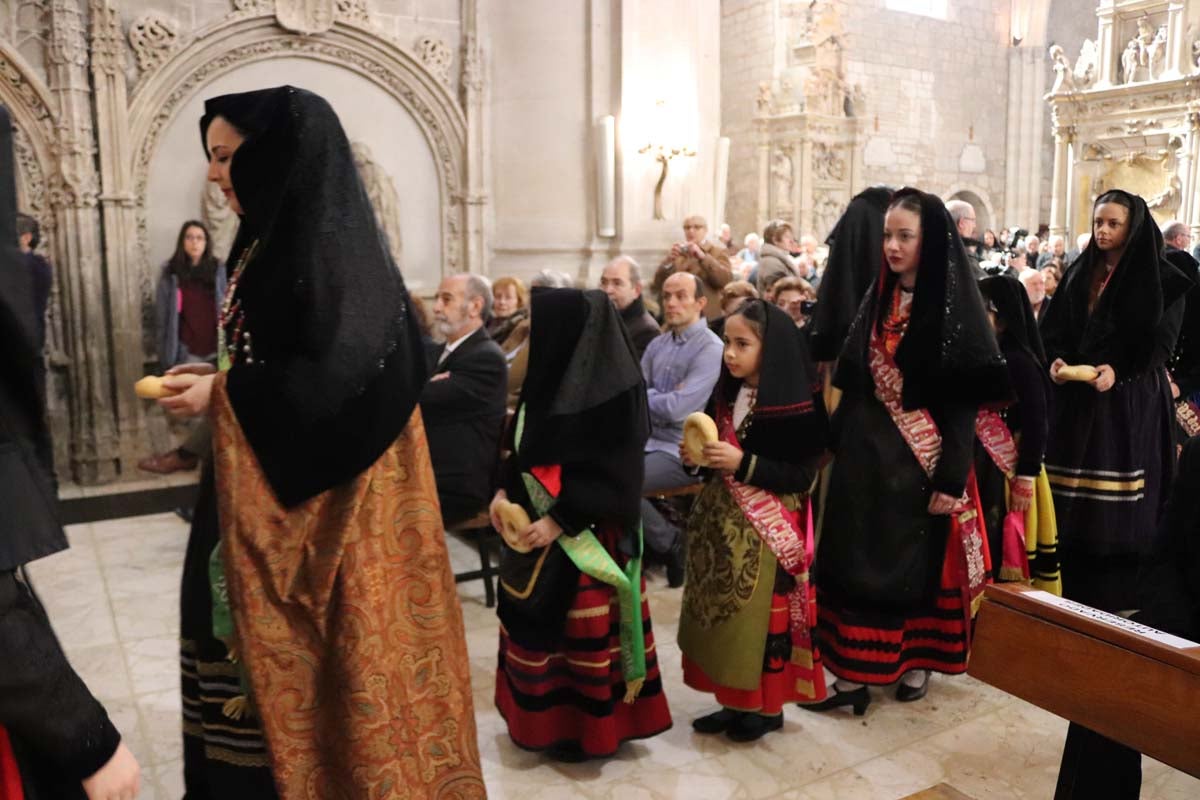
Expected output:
(232, 312)
(896, 322)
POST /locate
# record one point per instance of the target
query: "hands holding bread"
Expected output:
(184, 391)
(1102, 378)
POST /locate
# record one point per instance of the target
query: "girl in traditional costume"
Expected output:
(1018, 508)
(903, 556)
(748, 607)
(578, 671)
(323, 644)
(1110, 456)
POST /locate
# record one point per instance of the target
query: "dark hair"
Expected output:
(699, 283)
(181, 263)
(28, 224)
(909, 202)
(754, 311)
(1114, 196)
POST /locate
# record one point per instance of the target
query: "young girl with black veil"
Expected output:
(1017, 505)
(748, 608)
(1110, 455)
(903, 557)
(578, 670)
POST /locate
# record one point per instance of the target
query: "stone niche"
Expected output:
(1126, 113)
(807, 131)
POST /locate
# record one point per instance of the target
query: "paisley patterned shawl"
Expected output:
(351, 632)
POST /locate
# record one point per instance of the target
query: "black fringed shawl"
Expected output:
(338, 364)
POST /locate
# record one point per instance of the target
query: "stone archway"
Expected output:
(238, 41)
(29, 103)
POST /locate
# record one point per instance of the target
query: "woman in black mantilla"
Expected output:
(576, 469)
(902, 558)
(56, 741)
(1023, 546)
(1110, 455)
(746, 625)
(320, 497)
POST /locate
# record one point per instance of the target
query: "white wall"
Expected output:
(368, 113)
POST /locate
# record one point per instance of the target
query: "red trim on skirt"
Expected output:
(10, 774)
(778, 683)
(575, 695)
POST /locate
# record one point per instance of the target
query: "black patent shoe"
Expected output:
(676, 560)
(566, 752)
(859, 698)
(716, 722)
(750, 727)
(907, 694)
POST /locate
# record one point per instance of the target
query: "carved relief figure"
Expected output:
(1064, 77)
(436, 55)
(1156, 53)
(764, 99)
(828, 163)
(1085, 65)
(152, 37)
(1129, 62)
(383, 195)
(219, 217)
(306, 16)
(781, 183)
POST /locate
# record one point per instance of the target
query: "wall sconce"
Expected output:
(663, 152)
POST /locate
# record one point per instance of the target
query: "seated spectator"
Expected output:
(701, 258)
(681, 368)
(808, 260)
(422, 315)
(749, 252)
(1057, 249)
(518, 359)
(790, 294)
(622, 282)
(29, 236)
(191, 288)
(463, 403)
(733, 296)
(509, 325)
(990, 241)
(725, 239)
(962, 214)
(774, 256)
(1052, 273)
(1018, 262)
(1033, 249)
(1035, 286)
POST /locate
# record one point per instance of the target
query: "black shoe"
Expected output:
(716, 722)
(860, 698)
(184, 513)
(676, 564)
(566, 752)
(749, 727)
(907, 694)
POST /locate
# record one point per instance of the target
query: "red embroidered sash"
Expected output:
(780, 530)
(967, 541)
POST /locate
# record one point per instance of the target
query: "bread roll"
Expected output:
(698, 430)
(513, 522)
(1079, 372)
(151, 388)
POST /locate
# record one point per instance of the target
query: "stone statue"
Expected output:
(782, 182)
(1085, 65)
(1064, 77)
(1168, 200)
(1129, 62)
(219, 217)
(1156, 56)
(382, 193)
(764, 99)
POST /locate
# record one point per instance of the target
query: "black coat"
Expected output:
(641, 326)
(1185, 361)
(463, 409)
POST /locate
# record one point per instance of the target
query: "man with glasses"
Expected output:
(708, 262)
(963, 214)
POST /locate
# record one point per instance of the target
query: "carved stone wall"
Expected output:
(92, 90)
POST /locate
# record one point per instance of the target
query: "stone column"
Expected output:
(802, 169)
(94, 450)
(763, 209)
(1179, 47)
(118, 212)
(1108, 54)
(1072, 189)
(1193, 181)
(1060, 188)
(474, 190)
(1023, 163)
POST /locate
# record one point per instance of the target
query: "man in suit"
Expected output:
(463, 403)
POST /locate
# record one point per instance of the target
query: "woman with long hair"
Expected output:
(903, 559)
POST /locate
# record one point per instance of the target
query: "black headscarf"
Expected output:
(949, 352)
(1011, 300)
(584, 394)
(789, 412)
(1120, 331)
(855, 252)
(338, 365)
(29, 527)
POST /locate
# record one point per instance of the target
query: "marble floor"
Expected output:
(113, 598)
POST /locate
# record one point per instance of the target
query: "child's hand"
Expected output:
(722, 456)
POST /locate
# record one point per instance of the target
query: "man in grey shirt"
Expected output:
(681, 367)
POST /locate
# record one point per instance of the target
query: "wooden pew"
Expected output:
(1133, 684)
